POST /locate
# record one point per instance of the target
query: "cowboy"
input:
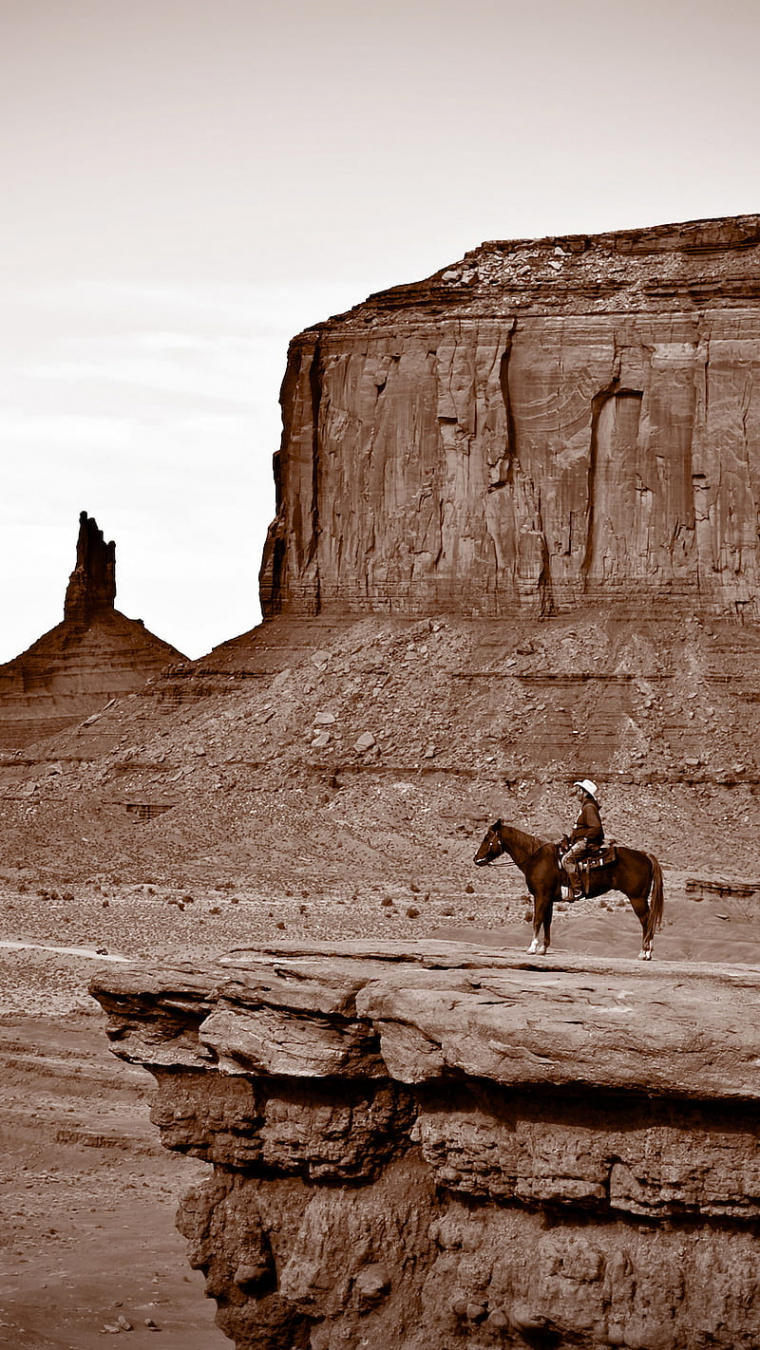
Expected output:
(588, 832)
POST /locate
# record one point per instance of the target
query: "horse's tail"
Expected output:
(656, 900)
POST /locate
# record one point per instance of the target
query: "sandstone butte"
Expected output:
(517, 527)
(545, 423)
(95, 655)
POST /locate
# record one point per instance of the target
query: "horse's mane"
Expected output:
(530, 842)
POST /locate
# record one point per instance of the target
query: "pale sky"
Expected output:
(188, 183)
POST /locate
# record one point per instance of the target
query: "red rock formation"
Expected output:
(92, 584)
(440, 1146)
(544, 424)
(96, 654)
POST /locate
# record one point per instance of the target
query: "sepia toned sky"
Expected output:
(188, 183)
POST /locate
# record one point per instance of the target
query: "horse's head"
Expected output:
(491, 847)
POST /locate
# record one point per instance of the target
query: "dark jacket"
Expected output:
(589, 824)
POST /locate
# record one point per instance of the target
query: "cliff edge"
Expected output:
(438, 1146)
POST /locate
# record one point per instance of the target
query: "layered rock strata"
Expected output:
(545, 424)
(95, 655)
(443, 1147)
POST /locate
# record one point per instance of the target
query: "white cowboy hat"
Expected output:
(587, 786)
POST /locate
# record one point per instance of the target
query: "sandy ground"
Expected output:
(89, 1246)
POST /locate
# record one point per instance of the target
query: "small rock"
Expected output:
(523, 1318)
(125, 1324)
(475, 1311)
(372, 1283)
(469, 888)
(324, 719)
(412, 912)
(364, 742)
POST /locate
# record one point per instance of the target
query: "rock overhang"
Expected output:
(442, 1145)
(434, 1010)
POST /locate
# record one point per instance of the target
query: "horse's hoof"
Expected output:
(646, 955)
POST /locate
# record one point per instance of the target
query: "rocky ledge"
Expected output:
(437, 1146)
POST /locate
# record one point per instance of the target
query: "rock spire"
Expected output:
(92, 584)
(94, 655)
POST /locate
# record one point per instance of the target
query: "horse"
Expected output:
(637, 875)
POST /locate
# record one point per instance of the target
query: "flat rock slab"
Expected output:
(437, 1010)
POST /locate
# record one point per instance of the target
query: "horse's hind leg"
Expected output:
(542, 918)
(640, 905)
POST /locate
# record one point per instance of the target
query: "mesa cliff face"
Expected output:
(546, 424)
(440, 1147)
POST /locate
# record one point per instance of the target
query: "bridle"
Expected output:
(507, 861)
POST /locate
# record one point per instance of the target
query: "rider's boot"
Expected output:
(572, 877)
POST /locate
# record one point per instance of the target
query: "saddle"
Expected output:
(595, 858)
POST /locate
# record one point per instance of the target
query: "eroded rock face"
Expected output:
(443, 1147)
(545, 424)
